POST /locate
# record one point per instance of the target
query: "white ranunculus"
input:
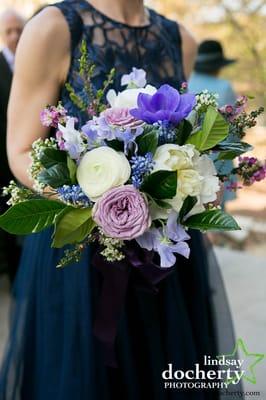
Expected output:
(172, 157)
(127, 98)
(102, 169)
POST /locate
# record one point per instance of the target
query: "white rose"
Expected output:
(205, 166)
(210, 183)
(209, 189)
(128, 98)
(102, 169)
(172, 157)
(189, 182)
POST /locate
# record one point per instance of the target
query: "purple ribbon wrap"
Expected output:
(144, 273)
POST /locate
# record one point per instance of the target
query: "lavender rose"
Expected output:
(122, 213)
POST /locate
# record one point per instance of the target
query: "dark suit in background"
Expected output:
(9, 249)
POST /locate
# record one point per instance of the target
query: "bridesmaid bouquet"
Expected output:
(141, 170)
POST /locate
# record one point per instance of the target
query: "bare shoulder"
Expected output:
(48, 23)
(45, 37)
(189, 49)
(188, 38)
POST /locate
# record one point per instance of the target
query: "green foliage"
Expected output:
(86, 73)
(75, 98)
(187, 206)
(30, 216)
(116, 145)
(228, 151)
(148, 141)
(73, 226)
(55, 176)
(212, 220)
(161, 184)
(183, 132)
(72, 255)
(72, 169)
(214, 130)
(50, 157)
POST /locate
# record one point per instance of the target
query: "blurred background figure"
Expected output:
(209, 64)
(11, 26)
(206, 76)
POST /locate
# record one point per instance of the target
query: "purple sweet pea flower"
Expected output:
(166, 243)
(137, 78)
(98, 129)
(167, 104)
(72, 138)
(128, 136)
(113, 123)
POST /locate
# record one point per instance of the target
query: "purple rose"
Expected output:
(122, 213)
(167, 104)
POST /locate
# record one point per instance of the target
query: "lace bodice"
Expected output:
(155, 47)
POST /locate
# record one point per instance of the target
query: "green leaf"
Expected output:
(148, 142)
(163, 204)
(188, 204)
(30, 216)
(228, 151)
(183, 132)
(214, 130)
(55, 176)
(51, 157)
(216, 220)
(116, 145)
(72, 168)
(161, 185)
(74, 226)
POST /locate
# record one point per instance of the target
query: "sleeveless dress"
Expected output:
(52, 353)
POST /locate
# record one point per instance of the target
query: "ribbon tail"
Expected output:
(110, 305)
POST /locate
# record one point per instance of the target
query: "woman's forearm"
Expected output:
(20, 167)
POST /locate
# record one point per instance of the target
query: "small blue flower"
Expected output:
(167, 132)
(141, 166)
(73, 195)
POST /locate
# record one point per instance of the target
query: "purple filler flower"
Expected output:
(167, 243)
(51, 116)
(167, 104)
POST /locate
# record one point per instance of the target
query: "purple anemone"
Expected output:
(167, 104)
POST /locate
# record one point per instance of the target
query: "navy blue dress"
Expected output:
(52, 353)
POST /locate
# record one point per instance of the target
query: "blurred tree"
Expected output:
(26, 7)
(239, 24)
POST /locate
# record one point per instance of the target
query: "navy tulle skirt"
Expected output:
(52, 353)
